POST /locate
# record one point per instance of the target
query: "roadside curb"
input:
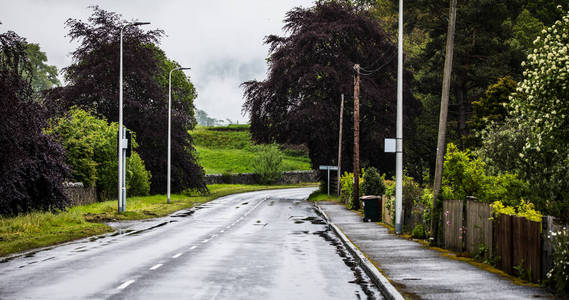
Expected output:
(388, 290)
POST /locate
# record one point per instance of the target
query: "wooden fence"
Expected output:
(518, 246)
(478, 228)
(514, 241)
(453, 229)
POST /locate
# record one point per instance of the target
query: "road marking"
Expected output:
(205, 241)
(177, 255)
(125, 284)
(213, 236)
(222, 231)
(228, 227)
(193, 247)
(155, 267)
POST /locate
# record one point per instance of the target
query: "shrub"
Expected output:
(524, 209)
(91, 146)
(418, 232)
(347, 187)
(373, 183)
(268, 163)
(558, 276)
(465, 175)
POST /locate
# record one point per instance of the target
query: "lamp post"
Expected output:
(399, 130)
(170, 127)
(122, 142)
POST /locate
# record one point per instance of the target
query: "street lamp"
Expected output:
(122, 142)
(399, 128)
(170, 126)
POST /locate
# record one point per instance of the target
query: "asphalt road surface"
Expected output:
(260, 245)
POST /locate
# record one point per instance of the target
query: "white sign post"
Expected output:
(333, 168)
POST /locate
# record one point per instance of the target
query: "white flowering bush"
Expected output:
(558, 276)
(539, 120)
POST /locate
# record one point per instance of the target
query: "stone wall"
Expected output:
(290, 177)
(79, 194)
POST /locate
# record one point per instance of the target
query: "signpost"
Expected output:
(333, 168)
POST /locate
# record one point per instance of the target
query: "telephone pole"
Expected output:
(443, 119)
(356, 190)
(340, 145)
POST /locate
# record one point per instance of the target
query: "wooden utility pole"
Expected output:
(340, 145)
(441, 144)
(356, 190)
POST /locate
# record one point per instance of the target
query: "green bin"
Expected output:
(371, 206)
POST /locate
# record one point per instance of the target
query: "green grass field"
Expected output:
(230, 150)
(40, 229)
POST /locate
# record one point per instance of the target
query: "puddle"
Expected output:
(351, 263)
(315, 220)
(184, 214)
(147, 229)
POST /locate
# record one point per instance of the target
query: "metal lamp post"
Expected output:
(170, 126)
(399, 130)
(122, 142)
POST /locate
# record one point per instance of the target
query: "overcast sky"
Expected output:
(221, 40)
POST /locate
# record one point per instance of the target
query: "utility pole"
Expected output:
(399, 129)
(356, 190)
(443, 119)
(340, 145)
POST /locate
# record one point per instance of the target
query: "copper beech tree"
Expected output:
(309, 69)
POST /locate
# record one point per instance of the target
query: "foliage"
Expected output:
(32, 166)
(347, 188)
(93, 83)
(462, 173)
(372, 182)
(466, 176)
(418, 232)
(524, 209)
(309, 69)
(426, 201)
(43, 76)
(268, 163)
(492, 106)
(558, 276)
(91, 144)
(538, 110)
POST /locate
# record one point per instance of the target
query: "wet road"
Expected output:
(261, 245)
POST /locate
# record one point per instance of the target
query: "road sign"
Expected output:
(333, 168)
(390, 145)
(328, 168)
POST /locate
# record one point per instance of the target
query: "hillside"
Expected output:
(229, 149)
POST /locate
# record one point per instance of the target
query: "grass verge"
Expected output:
(231, 150)
(319, 196)
(41, 229)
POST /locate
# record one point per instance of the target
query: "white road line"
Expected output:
(205, 241)
(193, 247)
(125, 284)
(213, 236)
(155, 267)
(222, 231)
(228, 227)
(177, 255)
